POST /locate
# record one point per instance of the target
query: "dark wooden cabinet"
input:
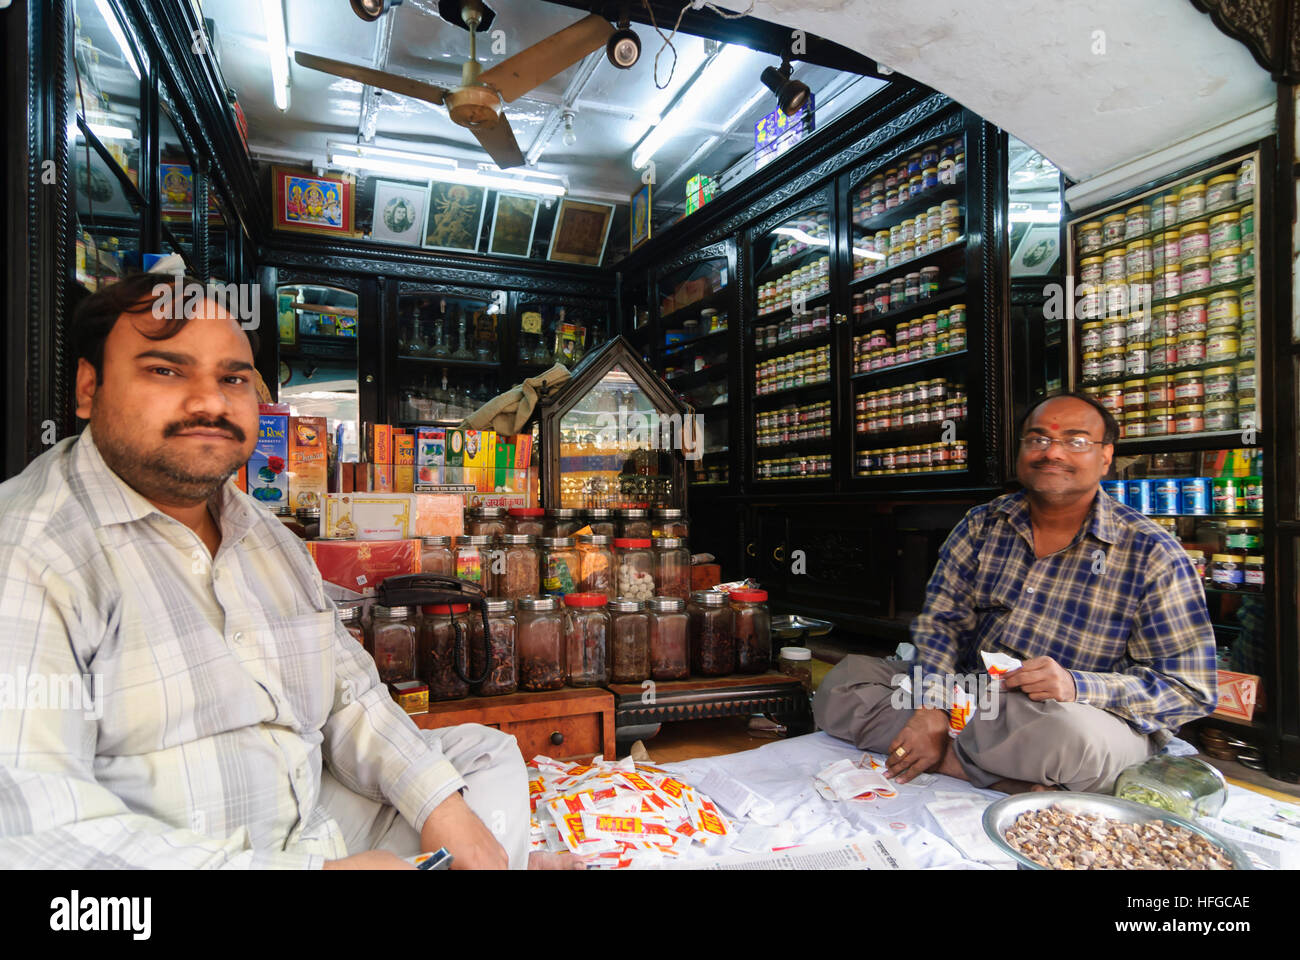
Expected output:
(562, 723)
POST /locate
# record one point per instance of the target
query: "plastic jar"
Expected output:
(392, 641)
(1246, 412)
(1164, 354)
(1220, 414)
(1221, 191)
(668, 639)
(1224, 308)
(1246, 380)
(1090, 338)
(1195, 274)
(540, 644)
(1090, 271)
(1134, 395)
(1225, 231)
(1191, 349)
(752, 629)
(670, 522)
(502, 670)
(486, 522)
(474, 561)
(1137, 220)
(1252, 572)
(1135, 424)
(1244, 535)
(713, 645)
(522, 565)
(629, 641)
(1194, 240)
(445, 635)
(1112, 398)
(436, 556)
(1159, 391)
(634, 568)
(1226, 265)
(1197, 560)
(1112, 363)
(797, 662)
(1114, 332)
(1114, 267)
(1227, 496)
(1112, 228)
(634, 523)
(1220, 384)
(1192, 315)
(586, 633)
(1226, 571)
(1138, 257)
(596, 564)
(1137, 359)
(672, 568)
(1189, 418)
(1191, 201)
(559, 566)
(1165, 251)
(1160, 421)
(1222, 343)
(1164, 210)
(525, 520)
(1089, 237)
(1137, 327)
(561, 522)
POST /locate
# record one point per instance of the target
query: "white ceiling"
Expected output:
(1091, 85)
(614, 108)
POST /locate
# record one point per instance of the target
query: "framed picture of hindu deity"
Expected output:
(455, 216)
(639, 218)
(513, 223)
(581, 229)
(400, 210)
(306, 203)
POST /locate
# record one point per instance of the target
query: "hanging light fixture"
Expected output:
(791, 95)
(570, 138)
(371, 10)
(624, 47)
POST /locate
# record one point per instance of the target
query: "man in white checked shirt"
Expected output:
(227, 719)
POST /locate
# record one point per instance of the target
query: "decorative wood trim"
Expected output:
(296, 276)
(1269, 29)
(696, 255)
(702, 698)
(948, 126)
(821, 198)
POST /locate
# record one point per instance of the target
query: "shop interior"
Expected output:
(849, 250)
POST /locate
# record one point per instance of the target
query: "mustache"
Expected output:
(221, 423)
(1044, 462)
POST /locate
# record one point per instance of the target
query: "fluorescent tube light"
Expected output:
(693, 98)
(107, 132)
(115, 28)
(277, 48)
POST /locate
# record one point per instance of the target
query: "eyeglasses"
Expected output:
(1073, 444)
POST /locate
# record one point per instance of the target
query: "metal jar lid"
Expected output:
(488, 513)
(627, 605)
(436, 541)
(391, 613)
(595, 540)
(563, 513)
(518, 539)
(600, 513)
(555, 543)
(499, 605)
(350, 614)
(668, 513)
(311, 513)
(709, 598)
(539, 604)
(667, 604)
(633, 513)
(474, 541)
(668, 543)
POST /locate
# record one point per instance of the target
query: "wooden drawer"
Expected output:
(584, 719)
(578, 736)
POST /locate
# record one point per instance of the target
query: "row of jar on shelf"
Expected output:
(789, 424)
(921, 171)
(810, 466)
(1200, 401)
(799, 326)
(905, 291)
(637, 522)
(1182, 203)
(607, 490)
(1232, 308)
(799, 369)
(1220, 345)
(916, 458)
(871, 255)
(1201, 240)
(540, 643)
(714, 473)
(924, 338)
(795, 238)
(794, 288)
(905, 415)
(1173, 497)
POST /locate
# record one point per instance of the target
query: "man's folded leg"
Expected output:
(855, 702)
(496, 790)
(1070, 745)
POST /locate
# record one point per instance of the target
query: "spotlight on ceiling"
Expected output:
(624, 46)
(791, 95)
(370, 10)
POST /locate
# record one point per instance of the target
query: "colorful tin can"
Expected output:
(1138, 495)
(1165, 495)
(1114, 488)
(1194, 496)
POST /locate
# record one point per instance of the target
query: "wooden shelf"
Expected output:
(793, 346)
(708, 339)
(910, 365)
(448, 362)
(704, 303)
(774, 270)
(1216, 440)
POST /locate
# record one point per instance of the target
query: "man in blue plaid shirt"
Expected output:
(1099, 603)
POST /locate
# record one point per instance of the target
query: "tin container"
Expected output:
(1165, 496)
(1194, 495)
(1139, 495)
(1115, 489)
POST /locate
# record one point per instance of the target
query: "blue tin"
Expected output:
(1138, 495)
(1115, 488)
(1166, 496)
(1195, 494)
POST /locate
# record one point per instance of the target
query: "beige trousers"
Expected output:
(1070, 745)
(497, 790)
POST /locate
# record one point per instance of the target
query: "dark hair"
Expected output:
(1109, 426)
(95, 316)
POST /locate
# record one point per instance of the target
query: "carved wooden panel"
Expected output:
(948, 126)
(1270, 30)
(709, 252)
(818, 200)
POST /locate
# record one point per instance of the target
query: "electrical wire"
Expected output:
(668, 40)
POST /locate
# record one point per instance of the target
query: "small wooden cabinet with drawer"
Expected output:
(559, 723)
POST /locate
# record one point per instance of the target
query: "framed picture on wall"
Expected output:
(98, 189)
(639, 218)
(581, 229)
(513, 223)
(455, 217)
(400, 212)
(1037, 251)
(306, 203)
(176, 191)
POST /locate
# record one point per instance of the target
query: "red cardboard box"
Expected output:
(352, 569)
(1238, 695)
(705, 575)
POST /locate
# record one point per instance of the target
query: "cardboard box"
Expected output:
(353, 569)
(381, 477)
(404, 479)
(360, 477)
(308, 461)
(440, 514)
(705, 575)
(411, 695)
(369, 515)
(403, 450)
(429, 474)
(241, 477)
(455, 450)
(523, 450)
(268, 481)
(1238, 695)
(503, 464)
(431, 447)
(381, 443)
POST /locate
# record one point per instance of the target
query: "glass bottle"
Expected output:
(486, 522)
(463, 351)
(540, 644)
(416, 346)
(436, 556)
(670, 522)
(634, 568)
(713, 647)
(602, 523)
(672, 567)
(669, 647)
(392, 639)
(752, 628)
(634, 522)
(629, 643)
(350, 617)
(562, 522)
(445, 635)
(525, 520)
(474, 561)
(797, 662)
(502, 660)
(586, 633)
(521, 576)
(596, 565)
(559, 566)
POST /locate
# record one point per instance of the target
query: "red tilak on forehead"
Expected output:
(1055, 426)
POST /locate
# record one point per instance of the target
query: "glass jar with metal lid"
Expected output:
(486, 522)
(752, 630)
(501, 672)
(634, 568)
(1184, 786)
(672, 567)
(670, 522)
(520, 567)
(561, 522)
(444, 641)
(1226, 571)
(560, 565)
(629, 641)
(540, 643)
(634, 522)
(586, 637)
(668, 639)
(392, 643)
(713, 646)
(596, 564)
(474, 561)
(602, 521)
(350, 617)
(436, 556)
(525, 520)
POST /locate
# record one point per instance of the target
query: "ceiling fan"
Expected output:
(477, 103)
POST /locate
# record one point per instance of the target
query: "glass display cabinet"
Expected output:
(616, 436)
(318, 358)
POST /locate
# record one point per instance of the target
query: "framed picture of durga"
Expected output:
(306, 203)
